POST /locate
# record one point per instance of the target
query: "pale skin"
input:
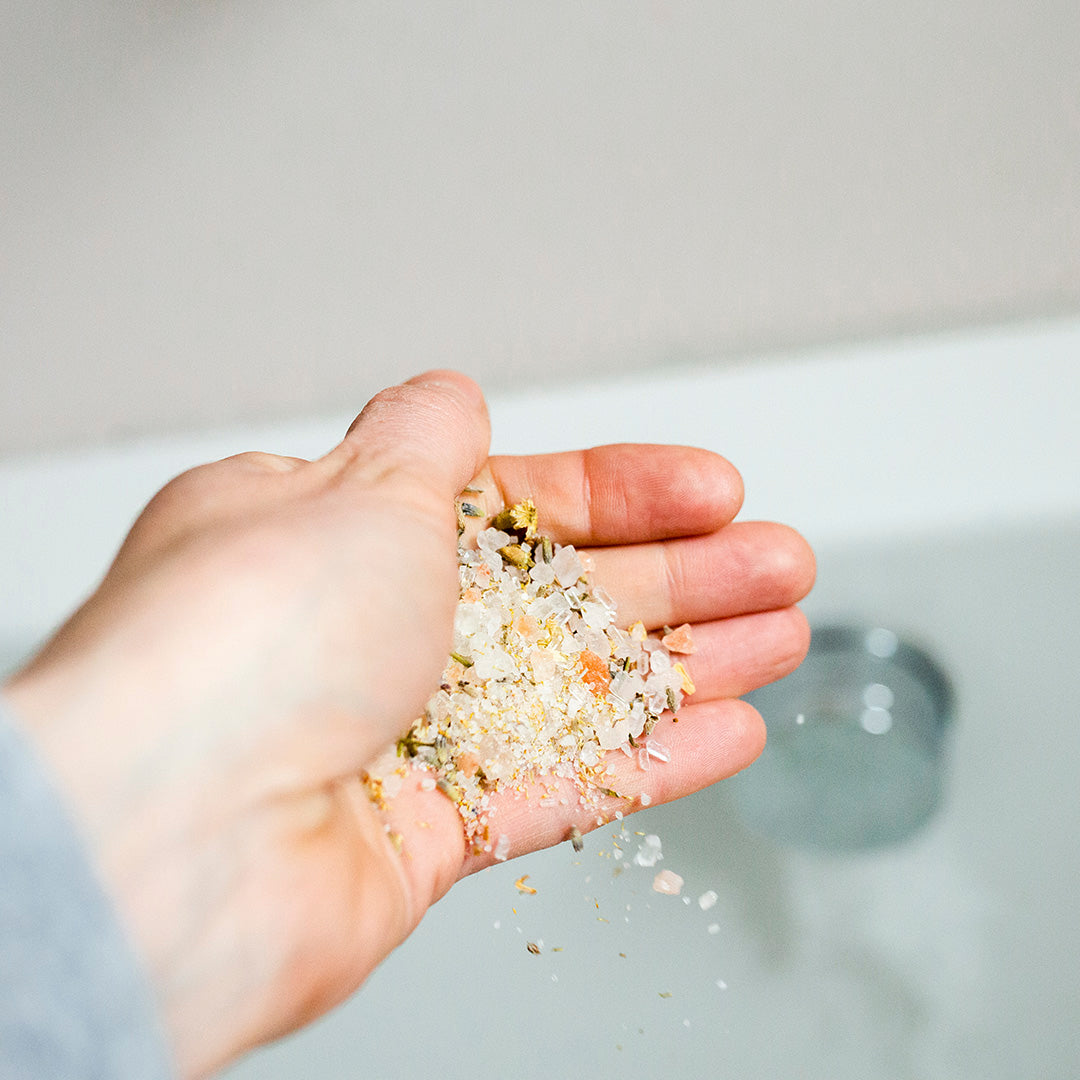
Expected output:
(271, 625)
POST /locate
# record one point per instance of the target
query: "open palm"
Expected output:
(271, 625)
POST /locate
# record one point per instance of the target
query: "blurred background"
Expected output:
(219, 212)
(836, 241)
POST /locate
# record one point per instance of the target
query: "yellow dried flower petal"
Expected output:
(687, 683)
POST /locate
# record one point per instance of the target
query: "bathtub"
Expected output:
(939, 481)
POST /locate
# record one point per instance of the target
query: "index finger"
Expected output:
(618, 494)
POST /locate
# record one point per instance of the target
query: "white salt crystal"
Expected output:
(667, 882)
(502, 847)
(492, 559)
(596, 616)
(645, 798)
(542, 573)
(492, 539)
(659, 662)
(648, 852)
(467, 620)
(604, 597)
(707, 899)
(567, 566)
(714, 928)
(613, 736)
(658, 750)
(721, 984)
(428, 783)
(494, 664)
(619, 688)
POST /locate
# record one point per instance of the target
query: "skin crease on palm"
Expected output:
(271, 625)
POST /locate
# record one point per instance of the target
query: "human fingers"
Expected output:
(707, 743)
(704, 744)
(432, 430)
(624, 493)
(734, 656)
(743, 568)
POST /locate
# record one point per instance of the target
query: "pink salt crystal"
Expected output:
(528, 627)
(679, 640)
(668, 883)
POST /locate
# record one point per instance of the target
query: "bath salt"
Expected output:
(649, 851)
(540, 686)
(667, 882)
(679, 640)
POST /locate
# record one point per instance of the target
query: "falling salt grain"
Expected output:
(721, 984)
(644, 799)
(649, 851)
(502, 847)
(707, 899)
(714, 928)
(668, 883)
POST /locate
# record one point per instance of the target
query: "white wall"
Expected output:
(226, 211)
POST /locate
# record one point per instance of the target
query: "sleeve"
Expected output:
(74, 1002)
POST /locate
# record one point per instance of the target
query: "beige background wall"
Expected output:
(213, 211)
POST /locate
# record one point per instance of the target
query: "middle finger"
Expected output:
(742, 568)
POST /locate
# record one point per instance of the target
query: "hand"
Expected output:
(271, 625)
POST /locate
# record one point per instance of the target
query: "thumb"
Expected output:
(433, 429)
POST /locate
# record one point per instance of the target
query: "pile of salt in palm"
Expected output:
(541, 683)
